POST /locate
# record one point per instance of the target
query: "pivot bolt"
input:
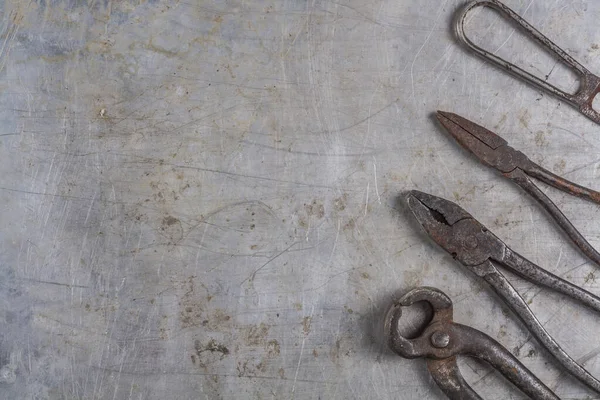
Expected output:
(440, 339)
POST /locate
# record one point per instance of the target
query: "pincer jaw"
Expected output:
(432, 210)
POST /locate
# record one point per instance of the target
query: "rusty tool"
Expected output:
(589, 84)
(442, 340)
(474, 246)
(495, 152)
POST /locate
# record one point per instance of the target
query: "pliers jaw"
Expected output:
(435, 213)
(455, 230)
(484, 144)
(420, 346)
(439, 340)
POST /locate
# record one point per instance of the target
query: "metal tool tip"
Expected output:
(417, 195)
(446, 119)
(412, 195)
(416, 199)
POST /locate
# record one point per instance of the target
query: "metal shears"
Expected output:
(495, 152)
(589, 84)
(442, 340)
(474, 246)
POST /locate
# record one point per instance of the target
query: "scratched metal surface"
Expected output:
(201, 199)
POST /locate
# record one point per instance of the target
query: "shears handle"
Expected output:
(589, 85)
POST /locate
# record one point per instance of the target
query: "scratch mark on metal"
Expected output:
(412, 66)
(367, 199)
(300, 357)
(253, 274)
(375, 177)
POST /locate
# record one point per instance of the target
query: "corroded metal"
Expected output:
(495, 152)
(589, 84)
(478, 249)
(443, 340)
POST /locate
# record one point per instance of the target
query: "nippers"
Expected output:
(495, 152)
(474, 246)
(442, 340)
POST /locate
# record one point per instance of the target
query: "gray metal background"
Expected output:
(202, 199)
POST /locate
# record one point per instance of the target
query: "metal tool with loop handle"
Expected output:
(589, 84)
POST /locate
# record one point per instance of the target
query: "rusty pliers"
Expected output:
(495, 152)
(442, 340)
(473, 245)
